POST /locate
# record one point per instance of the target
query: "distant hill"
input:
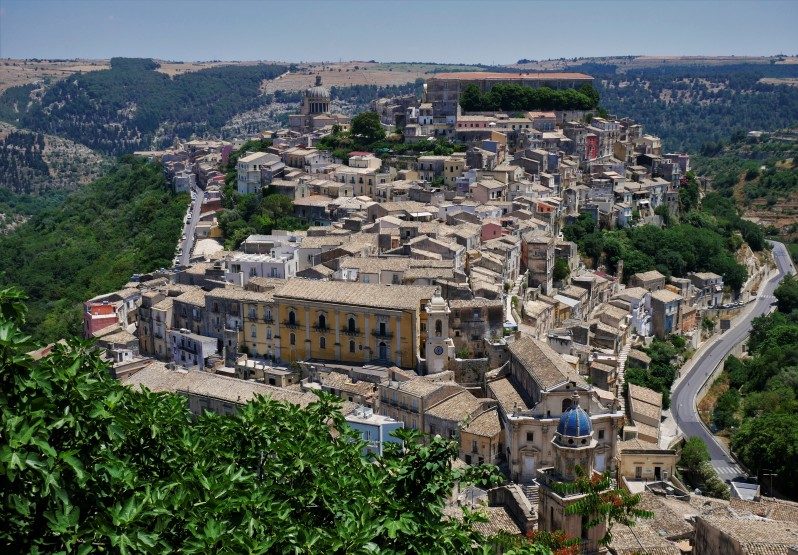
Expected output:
(761, 174)
(34, 163)
(132, 105)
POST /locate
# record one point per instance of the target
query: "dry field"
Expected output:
(22, 72)
(791, 81)
(639, 62)
(343, 75)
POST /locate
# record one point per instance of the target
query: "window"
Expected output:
(322, 343)
(530, 436)
(292, 317)
(292, 339)
(474, 446)
(322, 321)
(268, 333)
(254, 331)
(438, 328)
(351, 324)
(601, 434)
(351, 346)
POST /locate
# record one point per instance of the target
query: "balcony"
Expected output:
(322, 329)
(268, 320)
(382, 334)
(351, 332)
(291, 325)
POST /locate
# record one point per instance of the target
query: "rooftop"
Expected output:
(543, 363)
(489, 76)
(397, 297)
(456, 408)
(157, 377)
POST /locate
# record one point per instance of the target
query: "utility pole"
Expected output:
(770, 473)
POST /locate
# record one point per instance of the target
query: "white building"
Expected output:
(280, 263)
(184, 181)
(375, 429)
(248, 167)
(190, 350)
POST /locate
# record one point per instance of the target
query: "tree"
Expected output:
(770, 442)
(561, 269)
(787, 294)
(694, 454)
(366, 129)
(471, 99)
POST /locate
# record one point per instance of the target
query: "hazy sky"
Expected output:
(443, 31)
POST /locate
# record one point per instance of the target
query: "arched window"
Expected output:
(566, 404)
(292, 339)
(351, 346)
(291, 317)
(352, 325)
(438, 328)
(322, 321)
(322, 343)
(254, 331)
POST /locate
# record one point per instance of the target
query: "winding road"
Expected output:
(701, 367)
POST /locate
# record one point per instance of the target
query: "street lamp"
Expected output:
(770, 473)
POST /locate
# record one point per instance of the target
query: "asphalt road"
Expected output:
(683, 399)
(190, 227)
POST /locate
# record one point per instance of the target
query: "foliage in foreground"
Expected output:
(87, 465)
(123, 223)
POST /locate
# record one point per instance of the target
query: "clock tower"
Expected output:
(439, 347)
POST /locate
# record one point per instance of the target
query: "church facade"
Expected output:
(314, 114)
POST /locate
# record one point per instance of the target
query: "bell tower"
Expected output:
(439, 346)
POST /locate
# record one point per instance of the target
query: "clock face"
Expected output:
(439, 350)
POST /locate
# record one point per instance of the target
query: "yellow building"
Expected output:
(350, 322)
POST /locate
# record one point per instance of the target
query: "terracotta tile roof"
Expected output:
(543, 363)
(456, 408)
(156, 377)
(498, 76)
(756, 536)
(499, 520)
(505, 392)
(194, 297)
(486, 424)
(397, 297)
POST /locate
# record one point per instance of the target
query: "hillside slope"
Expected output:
(123, 223)
(119, 110)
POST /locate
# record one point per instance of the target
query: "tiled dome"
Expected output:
(575, 422)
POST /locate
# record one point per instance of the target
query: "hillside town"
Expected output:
(439, 293)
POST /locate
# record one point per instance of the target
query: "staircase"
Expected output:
(622, 356)
(532, 493)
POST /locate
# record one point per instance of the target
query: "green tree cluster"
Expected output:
(704, 240)
(251, 213)
(694, 462)
(513, 97)
(124, 223)
(767, 436)
(661, 373)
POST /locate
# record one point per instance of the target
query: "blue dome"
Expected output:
(575, 422)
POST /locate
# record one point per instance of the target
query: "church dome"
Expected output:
(318, 92)
(574, 422)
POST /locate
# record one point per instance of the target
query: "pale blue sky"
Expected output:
(443, 31)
